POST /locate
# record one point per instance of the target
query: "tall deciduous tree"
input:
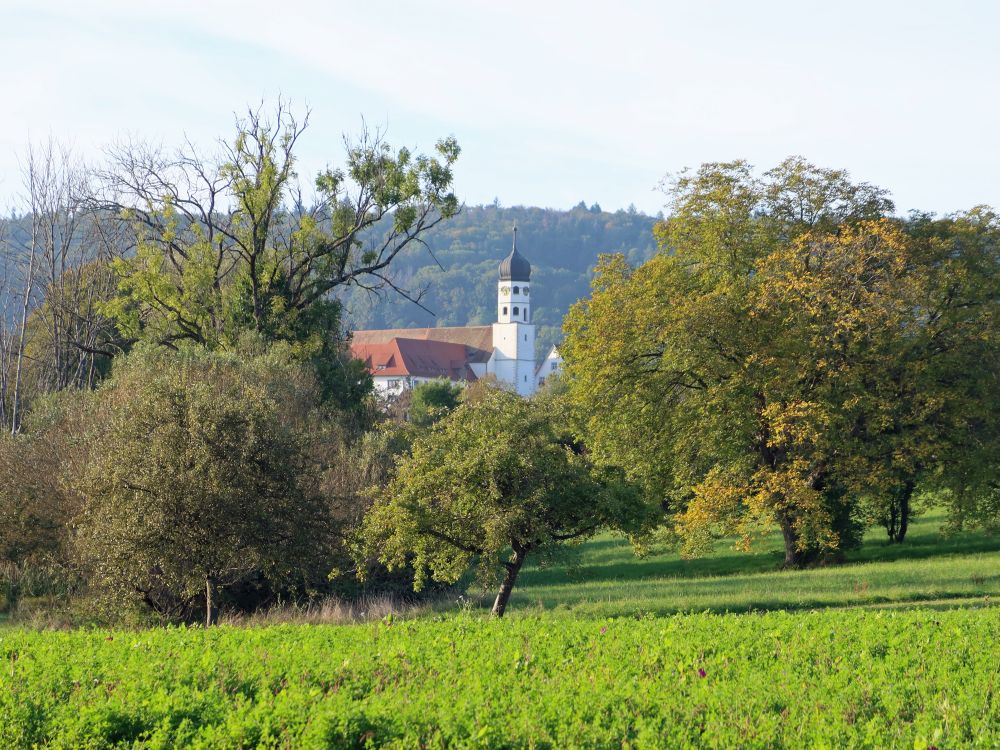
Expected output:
(227, 245)
(939, 424)
(490, 485)
(751, 373)
(198, 481)
(54, 274)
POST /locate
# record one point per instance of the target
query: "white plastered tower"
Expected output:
(513, 361)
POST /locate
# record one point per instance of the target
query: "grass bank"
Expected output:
(929, 569)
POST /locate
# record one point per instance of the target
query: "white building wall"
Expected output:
(513, 360)
(513, 303)
(393, 385)
(551, 365)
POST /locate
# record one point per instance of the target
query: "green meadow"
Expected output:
(931, 568)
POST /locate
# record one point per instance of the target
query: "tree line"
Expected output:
(176, 389)
(184, 427)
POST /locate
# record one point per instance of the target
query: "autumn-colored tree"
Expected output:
(37, 467)
(749, 374)
(492, 483)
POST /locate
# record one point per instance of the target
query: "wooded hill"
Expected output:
(562, 246)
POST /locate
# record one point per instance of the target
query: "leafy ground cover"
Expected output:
(896, 649)
(834, 679)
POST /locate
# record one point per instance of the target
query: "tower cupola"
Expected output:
(513, 302)
(513, 360)
(515, 267)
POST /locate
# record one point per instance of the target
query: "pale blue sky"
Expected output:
(552, 102)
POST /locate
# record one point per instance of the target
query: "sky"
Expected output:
(552, 102)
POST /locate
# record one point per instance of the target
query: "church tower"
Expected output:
(514, 333)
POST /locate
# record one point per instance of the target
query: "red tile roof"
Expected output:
(419, 357)
(478, 340)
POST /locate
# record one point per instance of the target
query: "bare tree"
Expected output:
(27, 286)
(55, 275)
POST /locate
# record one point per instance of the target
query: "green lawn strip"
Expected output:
(834, 679)
(965, 577)
(607, 579)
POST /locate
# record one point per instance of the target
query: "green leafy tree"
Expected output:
(432, 400)
(937, 428)
(199, 480)
(491, 484)
(228, 246)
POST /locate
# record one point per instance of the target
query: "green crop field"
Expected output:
(834, 679)
(896, 649)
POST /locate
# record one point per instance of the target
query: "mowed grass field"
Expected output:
(899, 648)
(930, 568)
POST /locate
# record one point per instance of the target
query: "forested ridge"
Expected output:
(458, 270)
(456, 274)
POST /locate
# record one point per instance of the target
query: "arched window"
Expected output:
(526, 313)
(517, 290)
(515, 312)
(505, 309)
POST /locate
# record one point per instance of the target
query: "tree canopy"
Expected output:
(789, 350)
(432, 400)
(198, 481)
(229, 245)
(492, 483)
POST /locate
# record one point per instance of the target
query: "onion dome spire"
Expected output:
(515, 267)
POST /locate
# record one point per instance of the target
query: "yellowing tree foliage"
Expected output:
(789, 351)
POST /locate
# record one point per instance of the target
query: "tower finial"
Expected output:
(514, 247)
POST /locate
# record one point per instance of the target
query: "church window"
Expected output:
(525, 378)
(525, 291)
(517, 290)
(505, 309)
(525, 337)
(515, 312)
(526, 313)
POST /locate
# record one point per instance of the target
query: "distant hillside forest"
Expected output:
(562, 246)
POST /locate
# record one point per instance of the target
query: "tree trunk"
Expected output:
(904, 512)
(891, 521)
(793, 555)
(211, 606)
(513, 568)
(15, 409)
(905, 494)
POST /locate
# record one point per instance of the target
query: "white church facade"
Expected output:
(400, 358)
